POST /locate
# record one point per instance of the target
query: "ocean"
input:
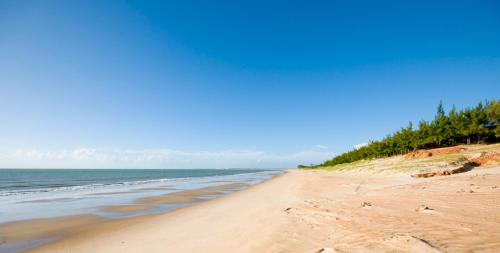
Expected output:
(43, 193)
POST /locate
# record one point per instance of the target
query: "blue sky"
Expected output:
(180, 84)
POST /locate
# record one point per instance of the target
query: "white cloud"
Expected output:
(158, 158)
(321, 146)
(358, 146)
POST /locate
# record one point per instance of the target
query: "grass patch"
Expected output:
(398, 164)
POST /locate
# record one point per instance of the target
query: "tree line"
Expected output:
(479, 124)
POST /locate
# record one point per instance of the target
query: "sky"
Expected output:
(226, 84)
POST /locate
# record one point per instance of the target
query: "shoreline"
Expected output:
(306, 211)
(41, 231)
(85, 191)
(369, 206)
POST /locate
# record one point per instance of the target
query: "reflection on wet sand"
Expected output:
(16, 236)
(189, 196)
(22, 235)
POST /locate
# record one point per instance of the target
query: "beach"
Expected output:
(316, 211)
(36, 211)
(377, 206)
(249, 126)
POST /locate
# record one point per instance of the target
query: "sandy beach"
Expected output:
(319, 211)
(249, 126)
(400, 204)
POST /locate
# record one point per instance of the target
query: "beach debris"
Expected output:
(326, 250)
(471, 191)
(494, 187)
(366, 204)
(288, 209)
(423, 208)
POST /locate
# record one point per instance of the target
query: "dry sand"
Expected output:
(319, 211)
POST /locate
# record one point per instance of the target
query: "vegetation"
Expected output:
(479, 124)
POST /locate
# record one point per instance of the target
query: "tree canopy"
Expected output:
(479, 124)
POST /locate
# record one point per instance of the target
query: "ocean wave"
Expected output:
(101, 186)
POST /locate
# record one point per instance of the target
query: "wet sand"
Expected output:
(29, 233)
(190, 196)
(25, 234)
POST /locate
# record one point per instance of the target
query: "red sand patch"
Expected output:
(488, 160)
(433, 152)
(485, 160)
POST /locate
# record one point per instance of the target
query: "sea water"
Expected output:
(43, 193)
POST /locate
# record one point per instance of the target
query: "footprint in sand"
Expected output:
(424, 209)
(409, 243)
(366, 204)
(326, 250)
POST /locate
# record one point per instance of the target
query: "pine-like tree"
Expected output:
(479, 124)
